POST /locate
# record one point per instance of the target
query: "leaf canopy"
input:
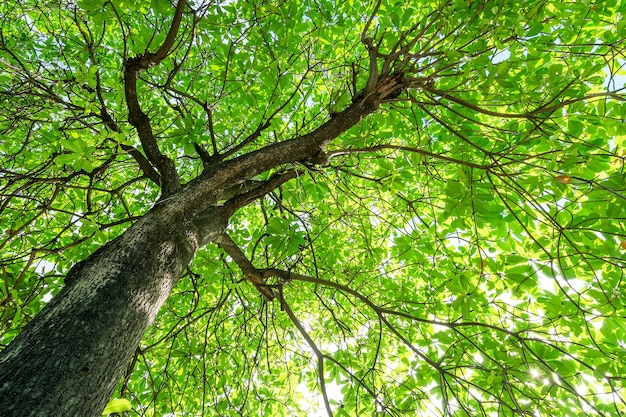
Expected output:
(462, 253)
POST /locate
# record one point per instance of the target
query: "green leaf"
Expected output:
(161, 7)
(89, 5)
(74, 145)
(68, 158)
(117, 405)
(534, 29)
(575, 127)
(602, 370)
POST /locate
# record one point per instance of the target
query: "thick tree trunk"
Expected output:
(67, 361)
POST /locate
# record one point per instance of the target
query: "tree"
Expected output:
(277, 208)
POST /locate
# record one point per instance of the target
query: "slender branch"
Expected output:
(264, 125)
(369, 21)
(251, 273)
(395, 53)
(529, 115)
(318, 353)
(380, 311)
(144, 164)
(106, 118)
(251, 138)
(359, 380)
(452, 130)
(376, 148)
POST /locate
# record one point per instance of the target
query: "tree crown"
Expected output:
(458, 251)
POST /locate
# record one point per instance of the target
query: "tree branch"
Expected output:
(376, 148)
(140, 121)
(245, 197)
(529, 115)
(316, 350)
(380, 311)
(170, 180)
(207, 189)
(252, 274)
(162, 52)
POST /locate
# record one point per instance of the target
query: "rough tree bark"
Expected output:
(67, 361)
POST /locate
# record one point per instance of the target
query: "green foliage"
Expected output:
(117, 405)
(465, 248)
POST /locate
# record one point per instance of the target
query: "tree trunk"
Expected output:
(68, 360)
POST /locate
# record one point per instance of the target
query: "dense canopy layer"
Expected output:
(437, 226)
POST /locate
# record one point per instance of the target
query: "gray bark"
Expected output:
(68, 360)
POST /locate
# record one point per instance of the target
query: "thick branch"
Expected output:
(246, 196)
(170, 181)
(144, 164)
(208, 188)
(169, 177)
(162, 52)
(372, 52)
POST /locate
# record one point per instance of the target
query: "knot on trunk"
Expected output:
(391, 86)
(387, 88)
